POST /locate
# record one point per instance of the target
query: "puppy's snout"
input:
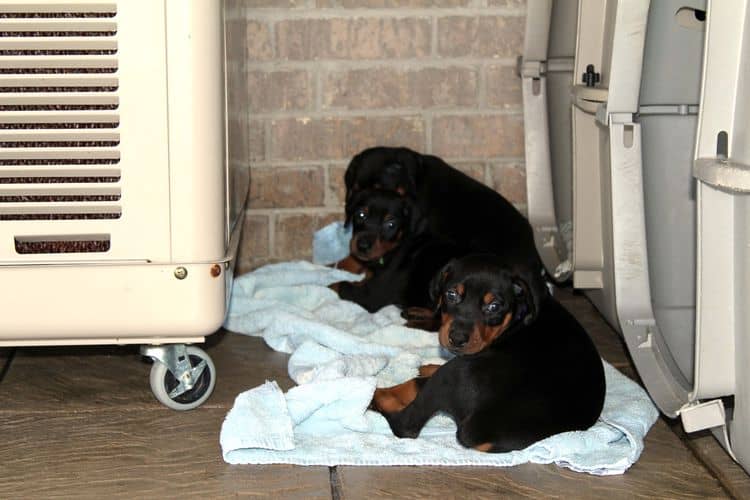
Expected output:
(458, 336)
(364, 244)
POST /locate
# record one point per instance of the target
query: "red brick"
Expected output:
(485, 36)
(254, 242)
(336, 187)
(239, 188)
(259, 47)
(472, 169)
(360, 38)
(279, 91)
(510, 181)
(237, 96)
(286, 187)
(294, 234)
(478, 136)
(393, 88)
(503, 87)
(341, 138)
(257, 140)
(238, 140)
(236, 36)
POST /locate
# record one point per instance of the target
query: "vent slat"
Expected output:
(58, 99)
(58, 80)
(58, 190)
(58, 171)
(59, 7)
(59, 207)
(68, 135)
(57, 43)
(81, 61)
(57, 25)
(59, 117)
(58, 154)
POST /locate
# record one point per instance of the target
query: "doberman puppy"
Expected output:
(524, 368)
(391, 245)
(455, 206)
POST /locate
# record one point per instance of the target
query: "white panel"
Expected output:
(196, 133)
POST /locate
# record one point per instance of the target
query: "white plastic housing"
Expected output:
(113, 171)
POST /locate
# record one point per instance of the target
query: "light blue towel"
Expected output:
(330, 244)
(340, 353)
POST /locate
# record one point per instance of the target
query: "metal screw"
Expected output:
(180, 273)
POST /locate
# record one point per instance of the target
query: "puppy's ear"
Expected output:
(438, 283)
(417, 223)
(527, 300)
(411, 163)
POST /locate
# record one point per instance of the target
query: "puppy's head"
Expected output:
(478, 300)
(380, 221)
(390, 169)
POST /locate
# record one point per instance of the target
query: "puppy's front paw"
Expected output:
(335, 286)
(428, 370)
(421, 318)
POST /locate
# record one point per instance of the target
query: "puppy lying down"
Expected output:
(524, 369)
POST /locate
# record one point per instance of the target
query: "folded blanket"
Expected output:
(340, 353)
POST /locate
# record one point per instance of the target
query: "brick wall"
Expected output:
(328, 78)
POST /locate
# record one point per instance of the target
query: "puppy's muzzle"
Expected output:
(364, 244)
(459, 334)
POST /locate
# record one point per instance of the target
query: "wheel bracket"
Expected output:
(177, 361)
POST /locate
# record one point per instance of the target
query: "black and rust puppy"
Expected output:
(455, 206)
(524, 370)
(391, 246)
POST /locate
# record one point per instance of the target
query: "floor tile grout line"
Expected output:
(6, 366)
(335, 483)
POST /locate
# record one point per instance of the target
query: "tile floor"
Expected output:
(82, 423)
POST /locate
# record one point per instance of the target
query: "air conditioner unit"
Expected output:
(116, 223)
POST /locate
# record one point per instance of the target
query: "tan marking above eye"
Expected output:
(488, 298)
(461, 289)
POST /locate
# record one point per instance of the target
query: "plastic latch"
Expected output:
(531, 69)
(605, 118)
(696, 417)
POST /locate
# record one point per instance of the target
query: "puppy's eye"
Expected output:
(360, 215)
(389, 224)
(452, 296)
(492, 307)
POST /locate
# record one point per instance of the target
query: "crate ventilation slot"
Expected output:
(79, 243)
(59, 115)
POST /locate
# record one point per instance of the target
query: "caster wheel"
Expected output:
(164, 383)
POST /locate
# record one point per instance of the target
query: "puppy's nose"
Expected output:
(364, 244)
(458, 338)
